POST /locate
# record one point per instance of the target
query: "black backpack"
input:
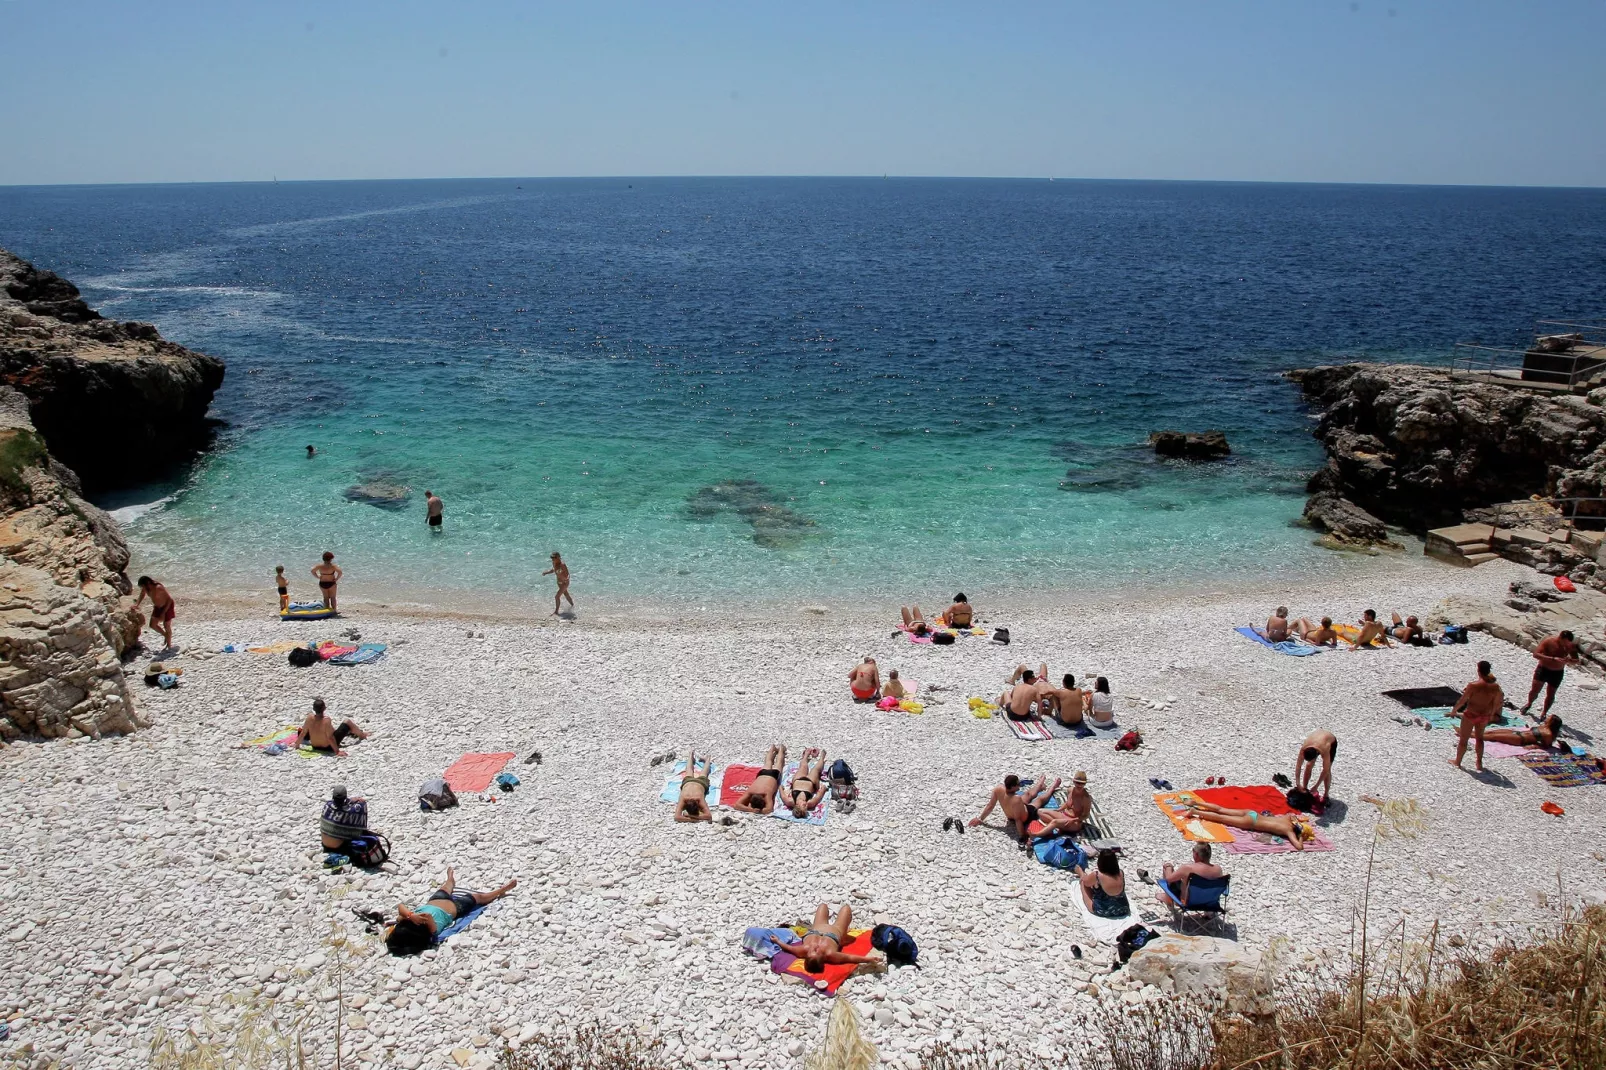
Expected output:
(842, 773)
(898, 945)
(1133, 938)
(1001, 635)
(370, 850)
(942, 638)
(302, 656)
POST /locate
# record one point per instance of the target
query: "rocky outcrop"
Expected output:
(1216, 972)
(1190, 445)
(116, 402)
(1414, 448)
(1344, 522)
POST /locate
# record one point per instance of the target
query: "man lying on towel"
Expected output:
(822, 945)
(693, 802)
(1324, 635)
(1021, 810)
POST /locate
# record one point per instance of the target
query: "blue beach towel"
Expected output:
(361, 656)
(764, 943)
(1294, 648)
(464, 922)
(671, 792)
(815, 816)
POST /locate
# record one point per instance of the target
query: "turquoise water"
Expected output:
(911, 387)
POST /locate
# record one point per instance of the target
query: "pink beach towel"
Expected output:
(474, 772)
(1245, 842)
(1491, 749)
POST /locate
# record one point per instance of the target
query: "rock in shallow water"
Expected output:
(381, 493)
(775, 526)
(1192, 445)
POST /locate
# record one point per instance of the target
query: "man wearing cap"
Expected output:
(1073, 816)
(344, 819)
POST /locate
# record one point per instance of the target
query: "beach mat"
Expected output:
(1418, 698)
(1031, 730)
(1262, 798)
(280, 735)
(1491, 749)
(473, 773)
(734, 784)
(465, 921)
(1294, 648)
(1563, 770)
(1245, 842)
(362, 655)
(283, 647)
(761, 942)
(1109, 930)
(1351, 632)
(1174, 805)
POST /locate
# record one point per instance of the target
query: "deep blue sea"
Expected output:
(738, 388)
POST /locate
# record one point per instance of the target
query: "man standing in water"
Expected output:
(561, 571)
(432, 510)
(328, 575)
(162, 609)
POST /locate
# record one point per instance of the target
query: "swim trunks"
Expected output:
(435, 521)
(1549, 676)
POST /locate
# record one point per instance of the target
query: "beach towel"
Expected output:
(474, 772)
(1351, 633)
(1564, 770)
(1106, 930)
(1245, 842)
(283, 647)
(361, 655)
(671, 792)
(762, 943)
(1262, 798)
(1031, 730)
(815, 816)
(330, 649)
(830, 979)
(734, 784)
(281, 735)
(1174, 805)
(981, 708)
(1417, 698)
(1440, 717)
(1491, 749)
(1294, 648)
(465, 921)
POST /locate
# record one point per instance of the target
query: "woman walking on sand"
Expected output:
(561, 571)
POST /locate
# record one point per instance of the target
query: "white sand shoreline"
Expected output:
(153, 877)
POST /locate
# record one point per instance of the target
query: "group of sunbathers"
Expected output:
(1369, 631)
(1030, 694)
(1022, 809)
(805, 791)
(959, 615)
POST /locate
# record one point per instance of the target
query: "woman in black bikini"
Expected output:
(760, 795)
(1543, 734)
(417, 928)
(693, 804)
(807, 787)
(328, 575)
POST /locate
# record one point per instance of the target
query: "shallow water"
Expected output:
(737, 388)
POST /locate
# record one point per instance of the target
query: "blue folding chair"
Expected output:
(1204, 900)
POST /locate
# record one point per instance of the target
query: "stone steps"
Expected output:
(1461, 544)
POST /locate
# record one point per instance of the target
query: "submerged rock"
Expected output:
(775, 526)
(381, 493)
(1192, 445)
(1099, 469)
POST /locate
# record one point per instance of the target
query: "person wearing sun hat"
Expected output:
(1073, 816)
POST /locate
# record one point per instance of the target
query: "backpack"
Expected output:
(1133, 938)
(898, 945)
(302, 656)
(1001, 635)
(1060, 853)
(1454, 633)
(942, 638)
(842, 773)
(370, 850)
(1129, 741)
(436, 795)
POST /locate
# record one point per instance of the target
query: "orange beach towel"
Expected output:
(1174, 805)
(474, 772)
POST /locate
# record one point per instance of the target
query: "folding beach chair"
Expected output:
(1204, 901)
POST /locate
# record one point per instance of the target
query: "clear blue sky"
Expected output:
(1448, 91)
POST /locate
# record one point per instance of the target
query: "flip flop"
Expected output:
(947, 824)
(1551, 808)
(1166, 785)
(1143, 875)
(1076, 952)
(1156, 782)
(959, 825)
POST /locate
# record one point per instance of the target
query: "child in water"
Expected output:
(283, 585)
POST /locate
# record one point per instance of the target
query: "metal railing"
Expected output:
(1498, 364)
(1591, 511)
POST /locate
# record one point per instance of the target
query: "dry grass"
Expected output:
(587, 1046)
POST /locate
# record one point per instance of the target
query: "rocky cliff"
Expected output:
(117, 403)
(1409, 446)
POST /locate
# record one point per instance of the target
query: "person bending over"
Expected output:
(1543, 734)
(1372, 630)
(808, 787)
(1020, 810)
(1291, 827)
(759, 798)
(1176, 878)
(163, 611)
(322, 734)
(1321, 746)
(693, 802)
(865, 680)
(1104, 887)
(960, 614)
(1477, 707)
(1276, 626)
(415, 929)
(822, 945)
(1315, 635)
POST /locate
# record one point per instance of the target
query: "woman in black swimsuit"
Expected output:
(807, 787)
(760, 795)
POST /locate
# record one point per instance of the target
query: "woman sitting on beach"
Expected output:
(865, 680)
(1291, 827)
(914, 622)
(1543, 734)
(1104, 887)
(417, 929)
(693, 803)
(1101, 704)
(759, 798)
(808, 784)
(821, 946)
(960, 614)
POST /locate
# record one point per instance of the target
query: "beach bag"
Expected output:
(1060, 853)
(897, 945)
(943, 638)
(1001, 635)
(842, 773)
(436, 795)
(1129, 741)
(1454, 633)
(303, 656)
(370, 850)
(1133, 938)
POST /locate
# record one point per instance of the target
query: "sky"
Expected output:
(1398, 91)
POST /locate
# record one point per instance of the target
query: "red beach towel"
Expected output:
(474, 772)
(1262, 798)
(738, 778)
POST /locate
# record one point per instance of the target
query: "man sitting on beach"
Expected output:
(1315, 636)
(343, 820)
(1026, 688)
(322, 734)
(1478, 707)
(1277, 626)
(1176, 878)
(1321, 746)
(1020, 810)
(1372, 630)
(1068, 703)
(865, 680)
(960, 614)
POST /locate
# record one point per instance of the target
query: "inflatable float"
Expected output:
(306, 611)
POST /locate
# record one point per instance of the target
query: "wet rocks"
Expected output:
(1343, 521)
(775, 526)
(1190, 445)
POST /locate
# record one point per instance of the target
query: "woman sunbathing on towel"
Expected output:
(1291, 827)
(821, 946)
(693, 804)
(914, 621)
(808, 786)
(1543, 734)
(760, 795)
(415, 930)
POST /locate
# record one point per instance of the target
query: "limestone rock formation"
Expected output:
(1343, 521)
(116, 402)
(1414, 448)
(1212, 970)
(1191, 445)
